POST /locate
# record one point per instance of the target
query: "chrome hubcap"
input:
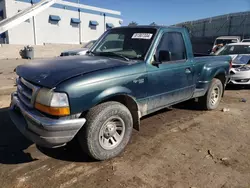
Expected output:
(112, 133)
(215, 95)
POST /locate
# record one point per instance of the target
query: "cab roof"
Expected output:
(228, 37)
(239, 43)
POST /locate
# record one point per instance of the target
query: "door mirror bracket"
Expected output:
(156, 62)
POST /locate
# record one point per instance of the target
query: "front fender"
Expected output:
(111, 92)
(88, 90)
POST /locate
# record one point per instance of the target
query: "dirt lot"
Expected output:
(7, 75)
(181, 147)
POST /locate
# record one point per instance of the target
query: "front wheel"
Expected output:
(213, 96)
(107, 131)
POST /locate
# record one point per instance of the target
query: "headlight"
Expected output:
(52, 103)
(59, 100)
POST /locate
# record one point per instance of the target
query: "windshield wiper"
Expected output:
(114, 54)
(90, 52)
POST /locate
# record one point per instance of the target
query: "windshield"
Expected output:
(246, 40)
(225, 41)
(89, 44)
(234, 49)
(131, 43)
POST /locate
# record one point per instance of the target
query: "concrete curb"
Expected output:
(7, 90)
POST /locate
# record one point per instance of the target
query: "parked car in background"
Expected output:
(223, 40)
(245, 40)
(115, 44)
(81, 51)
(240, 53)
(100, 97)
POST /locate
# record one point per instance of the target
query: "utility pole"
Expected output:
(229, 26)
(243, 35)
(80, 24)
(34, 27)
(104, 16)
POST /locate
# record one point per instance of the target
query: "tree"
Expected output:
(132, 23)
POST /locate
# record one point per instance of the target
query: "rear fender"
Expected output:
(208, 73)
(222, 75)
(220, 71)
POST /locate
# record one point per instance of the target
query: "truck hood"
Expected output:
(49, 73)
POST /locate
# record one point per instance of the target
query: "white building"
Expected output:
(62, 23)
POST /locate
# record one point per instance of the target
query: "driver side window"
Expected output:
(173, 43)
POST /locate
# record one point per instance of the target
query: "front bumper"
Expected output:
(40, 129)
(239, 76)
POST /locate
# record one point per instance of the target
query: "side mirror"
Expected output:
(155, 61)
(164, 55)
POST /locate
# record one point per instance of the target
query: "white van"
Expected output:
(223, 40)
(227, 40)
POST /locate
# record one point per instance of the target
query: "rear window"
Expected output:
(234, 49)
(225, 41)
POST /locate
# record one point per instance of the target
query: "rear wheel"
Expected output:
(107, 131)
(213, 96)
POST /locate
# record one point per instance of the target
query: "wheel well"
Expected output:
(222, 78)
(130, 103)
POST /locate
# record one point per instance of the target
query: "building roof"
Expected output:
(83, 6)
(79, 7)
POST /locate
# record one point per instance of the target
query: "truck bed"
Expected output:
(201, 54)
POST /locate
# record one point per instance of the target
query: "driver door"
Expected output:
(171, 81)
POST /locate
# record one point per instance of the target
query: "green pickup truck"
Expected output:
(98, 99)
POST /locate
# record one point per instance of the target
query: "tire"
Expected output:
(96, 138)
(206, 101)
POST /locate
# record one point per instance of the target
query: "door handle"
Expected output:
(187, 70)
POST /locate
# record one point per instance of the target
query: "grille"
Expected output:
(245, 80)
(26, 92)
(236, 66)
(64, 54)
(68, 54)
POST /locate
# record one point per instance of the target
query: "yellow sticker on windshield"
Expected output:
(146, 36)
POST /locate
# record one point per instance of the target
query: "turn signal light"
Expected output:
(55, 111)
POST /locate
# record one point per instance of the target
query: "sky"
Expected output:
(168, 12)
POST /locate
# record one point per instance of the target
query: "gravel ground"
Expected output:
(179, 147)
